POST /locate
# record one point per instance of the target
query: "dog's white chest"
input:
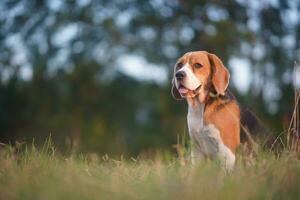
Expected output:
(195, 119)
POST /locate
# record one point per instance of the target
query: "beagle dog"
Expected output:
(213, 114)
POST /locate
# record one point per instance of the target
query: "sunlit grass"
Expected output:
(40, 173)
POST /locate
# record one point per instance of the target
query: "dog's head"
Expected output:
(195, 73)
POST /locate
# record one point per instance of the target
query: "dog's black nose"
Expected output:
(180, 75)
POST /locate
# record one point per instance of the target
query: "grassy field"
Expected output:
(31, 173)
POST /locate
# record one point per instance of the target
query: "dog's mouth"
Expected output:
(184, 91)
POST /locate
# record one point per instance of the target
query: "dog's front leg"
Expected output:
(196, 154)
(223, 153)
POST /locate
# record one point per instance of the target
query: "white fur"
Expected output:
(206, 139)
(195, 124)
(191, 82)
(195, 119)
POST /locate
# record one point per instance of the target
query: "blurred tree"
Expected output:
(60, 65)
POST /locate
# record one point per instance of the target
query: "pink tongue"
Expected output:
(183, 90)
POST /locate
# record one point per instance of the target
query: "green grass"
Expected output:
(31, 173)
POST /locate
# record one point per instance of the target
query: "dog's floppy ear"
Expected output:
(220, 75)
(176, 95)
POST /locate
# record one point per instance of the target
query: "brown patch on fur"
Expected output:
(225, 115)
(220, 75)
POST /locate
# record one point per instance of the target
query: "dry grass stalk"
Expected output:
(293, 131)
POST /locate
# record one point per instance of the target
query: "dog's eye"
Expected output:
(198, 65)
(179, 65)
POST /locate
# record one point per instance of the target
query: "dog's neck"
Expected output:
(195, 117)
